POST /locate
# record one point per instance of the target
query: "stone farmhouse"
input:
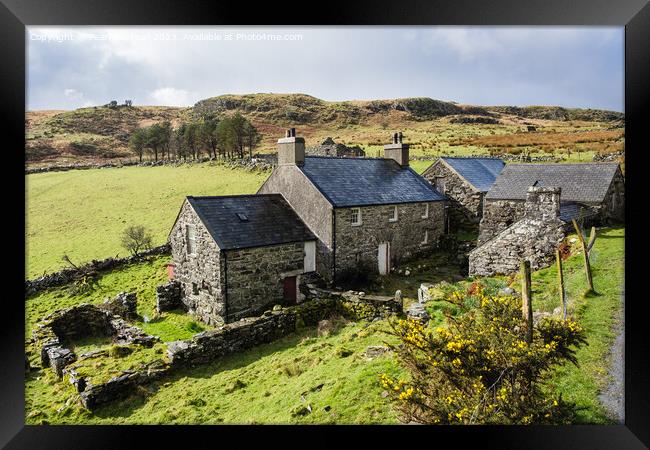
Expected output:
(330, 148)
(236, 256)
(314, 217)
(594, 191)
(464, 181)
(368, 213)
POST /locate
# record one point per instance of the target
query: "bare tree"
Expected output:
(136, 238)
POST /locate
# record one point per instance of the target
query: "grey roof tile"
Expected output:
(580, 182)
(479, 172)
(271, 220)
(349, 182)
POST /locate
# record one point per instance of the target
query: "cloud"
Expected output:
(169, 96)
(566, 66)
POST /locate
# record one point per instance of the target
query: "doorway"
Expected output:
(290, 290)
(383, 258)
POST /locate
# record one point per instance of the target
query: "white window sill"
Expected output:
(357, 224)
(392, 220)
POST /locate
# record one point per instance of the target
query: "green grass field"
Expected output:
(82, 213)
(267, 384)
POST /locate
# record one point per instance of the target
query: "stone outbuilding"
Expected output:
(593, 191)
(464, 181)
(534, 237)
(367, 213)
(330, 148)
(237, 256)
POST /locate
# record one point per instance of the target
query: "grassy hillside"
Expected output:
(280, 382)
(432, 127)
(82, 213)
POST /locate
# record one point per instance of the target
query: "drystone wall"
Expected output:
(70, 274)
(465, 205)
(358, 245)
(208, 346)
(330, 148)
(255, 277)
(168, 297)
(201, 275)
(66, 325)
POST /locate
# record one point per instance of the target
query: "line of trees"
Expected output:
(226, 137)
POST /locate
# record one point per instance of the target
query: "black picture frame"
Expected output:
(15, 15)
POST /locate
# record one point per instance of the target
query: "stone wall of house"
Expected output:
(534, 238)
(358, 245)
(200, 275)
(310, 205)
(497, 216)
(465, 205)
(255, 277)
(612, 209)
(168, 296)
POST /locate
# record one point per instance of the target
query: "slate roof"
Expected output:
(586, 182)
(479, 172)
(270, 221)
(570, 211)
(349, 182)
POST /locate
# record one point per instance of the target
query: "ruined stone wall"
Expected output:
(359, 244)
(310, 205)
(465, 206)
(201, 275)
(255, 277)
(497, 216)
(533, 238)
(530, 239)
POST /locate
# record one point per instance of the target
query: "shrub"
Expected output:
(481, 369)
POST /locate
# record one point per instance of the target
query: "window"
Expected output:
(440, 184)
(310, 256)
(426, 237)
(425, 214)
(195, 289)
(355, 218)
(191, 239)
(393, 217)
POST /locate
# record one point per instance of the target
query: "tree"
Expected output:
(480, 368)
(209, 135)
(138, 141)
(252, 137)
(136, 238)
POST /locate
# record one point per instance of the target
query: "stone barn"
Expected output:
(593, 191)
(368, 213)
(237, 256)
(464, 181)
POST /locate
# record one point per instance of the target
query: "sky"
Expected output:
(75, 67)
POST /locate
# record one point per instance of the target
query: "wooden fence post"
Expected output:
(560, 279)
(585, 250)
(526, 300)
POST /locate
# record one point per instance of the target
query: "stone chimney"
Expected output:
(291, 149)
(397, 150)
(543, 202)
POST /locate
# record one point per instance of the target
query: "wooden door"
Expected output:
(310, 256)
(383, 258)
(290, 289)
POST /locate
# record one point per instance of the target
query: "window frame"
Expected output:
(394, 217)
(357, 212)
(426, 237)
(426, 211)
(190, 240)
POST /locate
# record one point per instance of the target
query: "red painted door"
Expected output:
(290, 289)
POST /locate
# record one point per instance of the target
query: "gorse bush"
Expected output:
(480, 369)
